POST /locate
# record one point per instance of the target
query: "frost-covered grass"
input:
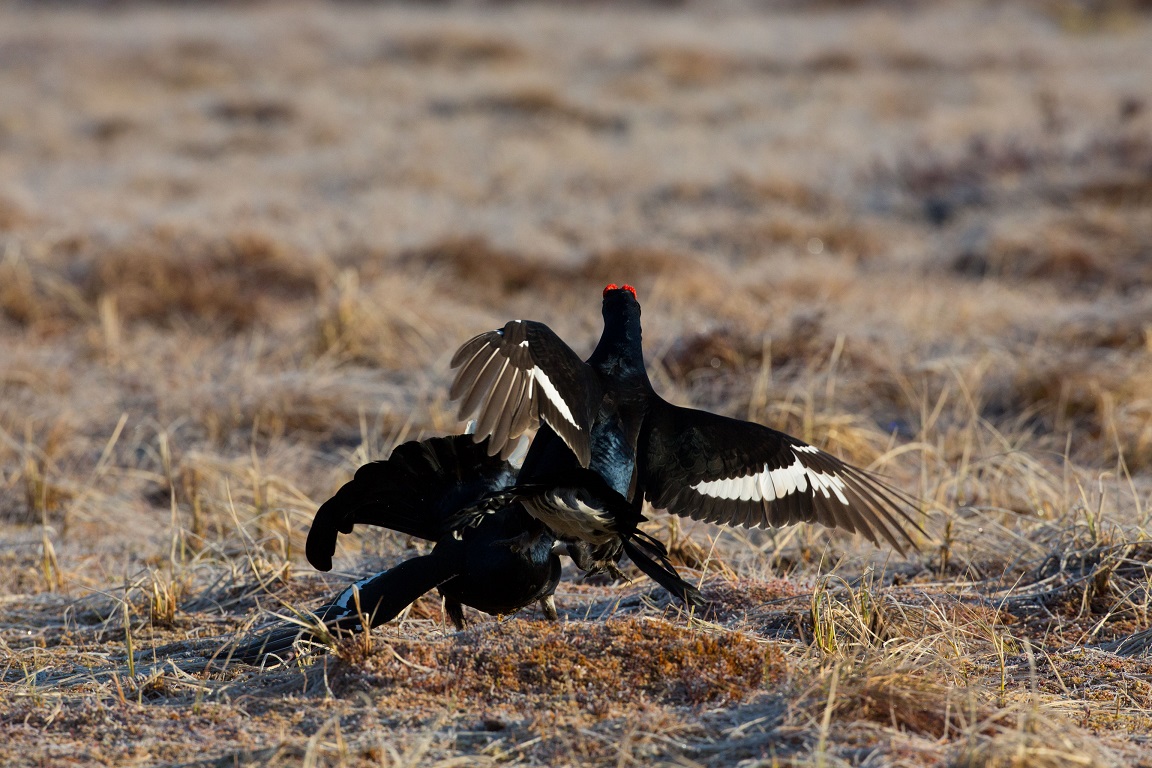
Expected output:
(239, 244)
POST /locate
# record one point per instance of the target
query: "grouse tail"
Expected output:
(415, 491)
(657, 567)
(381, 598)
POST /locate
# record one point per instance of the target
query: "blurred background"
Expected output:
(239, 243)
(265, 224)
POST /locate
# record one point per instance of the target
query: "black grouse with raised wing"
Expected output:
(604, 425)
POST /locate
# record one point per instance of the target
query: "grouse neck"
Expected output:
(620, 352)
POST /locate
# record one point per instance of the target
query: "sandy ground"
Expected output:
(240, 242)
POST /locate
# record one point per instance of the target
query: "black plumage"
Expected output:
(498, 567)
(378, 599)
(415, 491)
(611, 422)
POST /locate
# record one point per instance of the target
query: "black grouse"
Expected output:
(607, 442)
(500, 566)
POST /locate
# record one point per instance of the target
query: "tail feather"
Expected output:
(663, 573)
(415, 491)
(381, 598)
(273, 647)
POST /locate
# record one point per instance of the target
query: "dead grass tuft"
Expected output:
(38, 489)
(388, 325)
(903, 698)
(692, 67)
(163, 277)
(166, 275)
(1121, 326)
(899, 236)
(1046, 742)
(541, 104)
(722, 350)
(740, 191)
(13, 215)
(1084, 251)
(1093, 396)
(485, 271)
(264, 112)
(35, 295)
(457, 49)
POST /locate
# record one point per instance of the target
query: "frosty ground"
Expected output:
(239, 244)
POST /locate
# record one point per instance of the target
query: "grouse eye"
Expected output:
(610, 287)
(630, 290)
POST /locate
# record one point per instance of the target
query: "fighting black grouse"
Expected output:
(604, 425)
(498, 567)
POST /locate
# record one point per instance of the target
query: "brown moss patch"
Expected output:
(592, 665)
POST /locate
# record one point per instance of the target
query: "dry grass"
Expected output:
(238, 246)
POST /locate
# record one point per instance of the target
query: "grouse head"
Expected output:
(620, 301)
(620, 345)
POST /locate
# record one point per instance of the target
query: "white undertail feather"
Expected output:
(347, 598)
(516, 458)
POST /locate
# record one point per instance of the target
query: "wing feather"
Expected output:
(472, 356)
(497, 398)
(708, 467)
(522, 373)
(509, 414)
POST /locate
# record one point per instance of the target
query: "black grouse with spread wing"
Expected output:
(607, 442)
(498, 567)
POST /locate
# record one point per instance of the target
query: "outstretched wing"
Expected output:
(415, 491)
(708, 467)
(521, 373)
